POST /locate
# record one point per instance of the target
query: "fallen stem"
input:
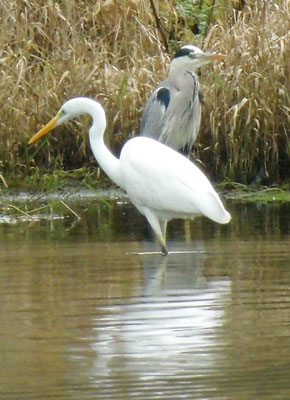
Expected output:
(71, 210)
(21, 211)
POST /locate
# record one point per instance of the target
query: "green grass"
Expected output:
(255, 193)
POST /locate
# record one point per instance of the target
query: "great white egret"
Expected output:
(172, 113)
(159, 181)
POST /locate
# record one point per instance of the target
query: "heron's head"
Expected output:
(190, 57)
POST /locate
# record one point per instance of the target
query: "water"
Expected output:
(90, 310)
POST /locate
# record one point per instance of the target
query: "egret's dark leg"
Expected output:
(163, 226)
(159, 228)
(164, 250)
(163, 244)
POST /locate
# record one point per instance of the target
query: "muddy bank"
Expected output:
(230, 191)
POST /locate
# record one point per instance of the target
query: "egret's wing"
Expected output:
(161, 179)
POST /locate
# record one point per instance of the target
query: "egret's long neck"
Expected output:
(107, 161)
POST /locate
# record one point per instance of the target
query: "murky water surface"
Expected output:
(90, 310)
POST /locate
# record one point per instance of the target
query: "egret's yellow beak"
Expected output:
(43, 131)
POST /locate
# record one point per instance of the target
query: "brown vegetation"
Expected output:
(113, 51)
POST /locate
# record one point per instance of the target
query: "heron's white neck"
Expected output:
(179, 66)
(107, 161)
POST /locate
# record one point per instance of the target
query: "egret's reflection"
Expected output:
(175, 318)
(180, 272)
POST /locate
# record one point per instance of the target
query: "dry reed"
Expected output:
(112, 50)
(247, 120)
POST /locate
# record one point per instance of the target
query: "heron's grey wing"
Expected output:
(181, 121)
(173, 112)
(154, 111)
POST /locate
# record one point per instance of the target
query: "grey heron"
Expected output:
(172, 113)
(161, 183)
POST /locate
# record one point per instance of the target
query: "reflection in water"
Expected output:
(174, 317)
(84, 316)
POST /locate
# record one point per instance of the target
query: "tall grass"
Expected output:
(113, 51)
(53, 51)
(248, 99)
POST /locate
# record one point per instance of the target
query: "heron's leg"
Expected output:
(159, 228)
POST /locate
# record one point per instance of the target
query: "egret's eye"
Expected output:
(61, 113)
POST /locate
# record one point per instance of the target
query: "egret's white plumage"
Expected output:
(160, 182)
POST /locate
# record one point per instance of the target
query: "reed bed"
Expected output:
(247, 118)
(115, 51)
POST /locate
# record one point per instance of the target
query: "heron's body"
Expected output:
(172, 113)
(160, 182)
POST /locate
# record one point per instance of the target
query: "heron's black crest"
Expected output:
(163, 95)
(184, 51)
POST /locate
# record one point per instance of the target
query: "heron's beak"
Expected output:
(213, 57)
(43, 131)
